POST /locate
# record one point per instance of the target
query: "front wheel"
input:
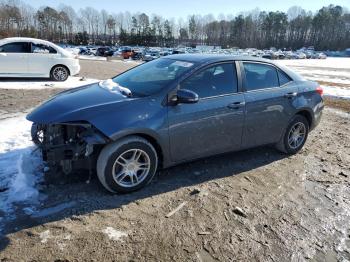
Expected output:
(37, 133)
(59, 73)
(127, 165)
(294, 136)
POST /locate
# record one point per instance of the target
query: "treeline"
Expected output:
(328, 28)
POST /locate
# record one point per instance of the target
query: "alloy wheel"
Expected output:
(131, 168)
(296, 135)
(60, 73)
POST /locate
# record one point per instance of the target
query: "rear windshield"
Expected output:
(151, 77)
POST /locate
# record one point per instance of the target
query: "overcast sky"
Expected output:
(183, 8)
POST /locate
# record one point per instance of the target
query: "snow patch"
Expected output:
(113, 234)
(92, 57)
(330, 62)
(334, 71)
(136, 62)
(63, 242)
(113, 87)
(52, 210)
(44, 236)
(20, 165)
(334, 91)
(338, 112)
(71, 82)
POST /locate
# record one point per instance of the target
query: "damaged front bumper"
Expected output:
(69, 145)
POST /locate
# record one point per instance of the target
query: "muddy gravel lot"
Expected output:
(254, 205)
(20, 100)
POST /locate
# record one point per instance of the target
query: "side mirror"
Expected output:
(185, 96)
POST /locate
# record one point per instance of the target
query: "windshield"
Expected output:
(151, 77)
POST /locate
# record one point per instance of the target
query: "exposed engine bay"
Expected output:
(68, 146)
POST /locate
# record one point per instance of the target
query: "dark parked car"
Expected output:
(102, 51)
(149, 56)
(173, 110)
(137, 55)
(109, 52)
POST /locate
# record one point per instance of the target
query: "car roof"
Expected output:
(200, 59)
(212, 58)
(33, 40)
(24, 39)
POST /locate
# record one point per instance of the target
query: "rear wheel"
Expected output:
(127, 165)
(59, 73)
(294, 136)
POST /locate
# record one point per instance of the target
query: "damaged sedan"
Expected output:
(173, 110)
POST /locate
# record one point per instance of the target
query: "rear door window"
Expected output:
(260, 76)
(283, 78)
(42, 49)
(216, 80)
(16, 47)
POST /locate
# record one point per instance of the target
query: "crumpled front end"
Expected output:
(68, 145)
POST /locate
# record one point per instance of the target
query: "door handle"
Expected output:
(291, 95)
(236, 105)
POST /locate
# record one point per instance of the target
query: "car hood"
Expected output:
(78, 104)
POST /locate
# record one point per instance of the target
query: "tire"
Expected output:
(59, 73)
(118, 178)
(37, 133)
(290, 144)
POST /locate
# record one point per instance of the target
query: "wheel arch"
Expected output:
(155, 144)
(60, 65)
(152, 138)
(308, 115)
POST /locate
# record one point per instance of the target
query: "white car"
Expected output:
(321, 56)
(301, 55)
(30, 57)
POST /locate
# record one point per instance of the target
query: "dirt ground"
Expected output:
(254, 205)
(19, 100)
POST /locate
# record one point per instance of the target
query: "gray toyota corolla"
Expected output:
(173, 110)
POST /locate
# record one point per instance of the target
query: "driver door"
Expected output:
(215, 123)
(14, 59)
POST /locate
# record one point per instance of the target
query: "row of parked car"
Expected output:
(148, 54)
(29, 57)
(309, 54)
(126, 52)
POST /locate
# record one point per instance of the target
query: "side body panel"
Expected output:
(13, 64)
(268, 112)
(41, 64)
(310, 101)
(208, 127)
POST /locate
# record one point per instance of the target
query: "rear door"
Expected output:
(215, 123)
(269, 95)
(41, 59)
(14, 59)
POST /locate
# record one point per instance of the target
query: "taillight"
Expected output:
(319, 90)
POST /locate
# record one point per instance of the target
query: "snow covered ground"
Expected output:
(20, 166)
(330, 62)
(42, 83)
(92, 57)
(332, 73)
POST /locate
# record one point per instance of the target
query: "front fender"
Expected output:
(147, 119)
